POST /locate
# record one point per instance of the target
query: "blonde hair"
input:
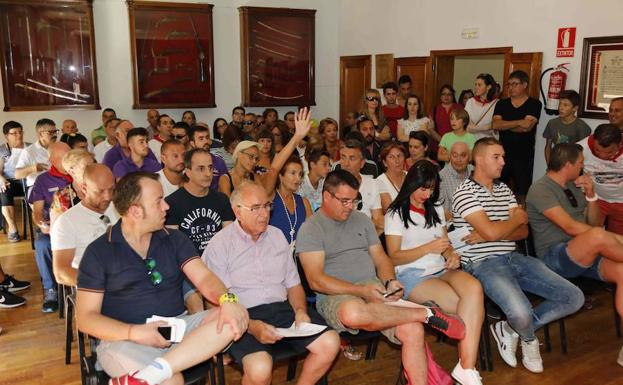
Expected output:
(75, 158)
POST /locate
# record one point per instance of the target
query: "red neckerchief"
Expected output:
(58, 174)
(591, 145)
(482, 101)
(158, 138)
(418, 210)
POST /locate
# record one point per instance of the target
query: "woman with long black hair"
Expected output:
(428, 266)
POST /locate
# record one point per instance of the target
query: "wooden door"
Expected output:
(530, 63)
(415, 68)
(355, 79)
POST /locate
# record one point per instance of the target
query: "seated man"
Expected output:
(83, 223)
(121, 150)
(164, 126)
(345, 264)
(135, 271)
(139, 159)
(200, 138)
(34, 160)
(453, 174)
(41, 198)
(254, 260)
(172, 173)
(180, 132)
(563, 209)
(99, 134)
(603, 160)
(10, 187)
(490, 212)
(102, 147)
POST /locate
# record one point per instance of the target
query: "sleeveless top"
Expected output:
(231, 181)
(282, 219)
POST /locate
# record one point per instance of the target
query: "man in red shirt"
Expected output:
(392, 110)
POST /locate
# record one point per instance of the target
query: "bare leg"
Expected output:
(257, 369)
(9, 215)
(177, 379)
(613, 272)
(357, 314)
(322, 353)
(413, 353)
(194, 303)
(585, 247)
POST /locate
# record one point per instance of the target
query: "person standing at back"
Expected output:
(392, 110)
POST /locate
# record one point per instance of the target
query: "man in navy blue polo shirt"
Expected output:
(139, 159)
(135, 271)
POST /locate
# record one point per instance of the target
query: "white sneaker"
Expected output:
(620, 359)
(506, 341)
(466, 376)
(532, 356)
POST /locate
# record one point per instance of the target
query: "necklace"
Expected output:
(292, 225)
(392, 182)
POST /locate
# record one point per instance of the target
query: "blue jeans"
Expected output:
(504, 279)
(43, 257)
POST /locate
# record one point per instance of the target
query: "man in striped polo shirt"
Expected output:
(490, 212)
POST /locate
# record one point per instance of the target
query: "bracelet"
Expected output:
(129, 332)
(593, 199)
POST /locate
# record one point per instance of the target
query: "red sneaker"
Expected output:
(127, 379)
(450, 325)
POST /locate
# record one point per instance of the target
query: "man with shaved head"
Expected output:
(152, 120)
(453, 174)
(41, 198)
(69, 127)
(83, 223)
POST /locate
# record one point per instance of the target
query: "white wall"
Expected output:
(466, 68)
(413, 28)
(112, 41)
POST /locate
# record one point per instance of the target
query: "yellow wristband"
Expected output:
(228, 297)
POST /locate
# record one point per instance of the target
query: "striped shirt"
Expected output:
(471, 197)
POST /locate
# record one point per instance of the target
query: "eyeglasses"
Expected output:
(105, 219)
(571, 198)
(253, 157)
(155, 276)
(348, 202)
(512, 84)
(51, 132)
(372, 98)
(248, 122)
(257, 208)
(178, 137)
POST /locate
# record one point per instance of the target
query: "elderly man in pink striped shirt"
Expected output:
(255, 262)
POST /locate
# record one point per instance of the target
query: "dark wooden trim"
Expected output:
(343, 61)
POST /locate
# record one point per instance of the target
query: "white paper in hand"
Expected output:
(456, 239)
(305, 329)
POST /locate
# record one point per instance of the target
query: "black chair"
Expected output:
(69, 304)
(197, 374)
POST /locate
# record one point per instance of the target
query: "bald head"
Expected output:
(459, 156)
(57, 151)
(242, 194)
(69, 126)
(98, 187)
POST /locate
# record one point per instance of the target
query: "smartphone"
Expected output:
(389, 294)
(165, 332)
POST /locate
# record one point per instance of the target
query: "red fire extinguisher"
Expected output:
(557, 82)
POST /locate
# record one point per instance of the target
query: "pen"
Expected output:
(392, 292)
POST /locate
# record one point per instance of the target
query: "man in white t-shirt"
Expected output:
(352, 160)
(172, 174)
(165, 125)
(76, 228)
(603, 160)
(110, 128)
(34, 160)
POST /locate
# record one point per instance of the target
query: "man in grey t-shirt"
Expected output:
(564, 215)
(345, 263)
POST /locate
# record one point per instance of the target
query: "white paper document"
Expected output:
(305, 329)
(456, 239)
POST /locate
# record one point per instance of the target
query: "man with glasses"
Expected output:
(135, 271)
(255, 261)
(248, 126)
(489, 211)
(603, 161)
(34, 160)
(10, 187)
(566, 223)
(354, 279)
(99, 134)
(41, 198)
(164, 124)
(200, 138)
(83, 223)
(516, 118)
(180, 132)
(139, 159)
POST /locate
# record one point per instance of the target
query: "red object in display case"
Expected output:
(277, 51)
(48, 55)
(172, 54)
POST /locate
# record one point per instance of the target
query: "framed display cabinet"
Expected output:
(172, 54)
(48, 55)
(601, 78)
(277, 51)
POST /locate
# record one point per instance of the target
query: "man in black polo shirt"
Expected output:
(135, 271)
(516, 118)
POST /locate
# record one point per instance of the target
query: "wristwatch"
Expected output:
(228, 297)
(387, 282)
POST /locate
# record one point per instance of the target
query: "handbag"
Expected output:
(436, 374)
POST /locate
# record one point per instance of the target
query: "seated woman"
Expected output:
(266, 141)
(389, 183)
(417, 148)
(427, 265)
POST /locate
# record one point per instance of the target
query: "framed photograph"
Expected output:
(277, 51)
(48, 55)
(601, 79)
(172, 54)
(384, 64)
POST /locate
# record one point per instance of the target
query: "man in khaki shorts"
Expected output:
(345, 264)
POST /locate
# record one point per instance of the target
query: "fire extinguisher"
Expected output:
(557, 82)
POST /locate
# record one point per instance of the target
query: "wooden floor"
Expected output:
(31, 345)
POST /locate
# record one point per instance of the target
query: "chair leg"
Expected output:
(617, 317)
(371, 350)
(60, 295)
(220, 369)
(548, 342)
(401, 378)
(488, 353)
(563, 335)
(291, 369)
(69, 330)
